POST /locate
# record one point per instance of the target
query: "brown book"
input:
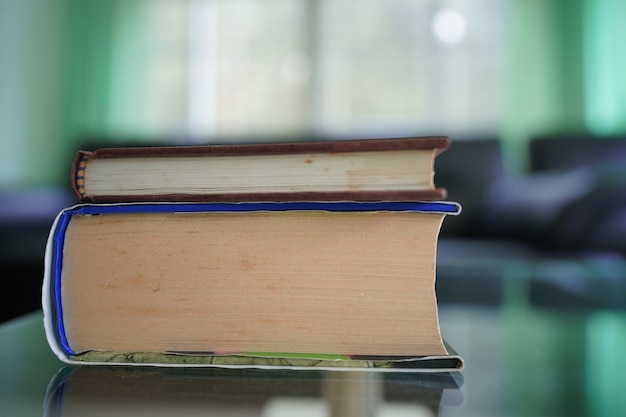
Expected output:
(297, 284)
(370, 169)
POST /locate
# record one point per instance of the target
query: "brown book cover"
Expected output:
(366, 170)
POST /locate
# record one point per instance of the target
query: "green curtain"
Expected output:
(31, 91)
(89, 45)
(544, 89)
(104, 73)
(605, 66)
(69, 70)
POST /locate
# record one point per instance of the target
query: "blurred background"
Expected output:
(531, 92)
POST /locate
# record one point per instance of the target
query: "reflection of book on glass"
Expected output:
(247, 284)
(104, 390)
(380, 169)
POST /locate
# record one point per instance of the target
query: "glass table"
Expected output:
(520, 360)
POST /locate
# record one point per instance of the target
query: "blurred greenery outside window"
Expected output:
(155, 71)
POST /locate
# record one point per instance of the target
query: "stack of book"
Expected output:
(292, 255)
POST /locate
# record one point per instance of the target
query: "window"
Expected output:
(287, 68)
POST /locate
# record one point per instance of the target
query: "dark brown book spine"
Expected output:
(434, 194)
(439, 143)
(78, 173)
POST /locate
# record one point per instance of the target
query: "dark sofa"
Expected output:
(560, 226)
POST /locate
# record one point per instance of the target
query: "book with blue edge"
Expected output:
(303, 284)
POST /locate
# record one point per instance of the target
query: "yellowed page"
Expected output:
(310, 282)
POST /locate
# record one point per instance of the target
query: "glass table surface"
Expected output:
(520, 360)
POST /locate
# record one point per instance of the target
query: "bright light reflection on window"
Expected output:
(449, 26)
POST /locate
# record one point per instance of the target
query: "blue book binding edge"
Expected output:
(99, 209)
